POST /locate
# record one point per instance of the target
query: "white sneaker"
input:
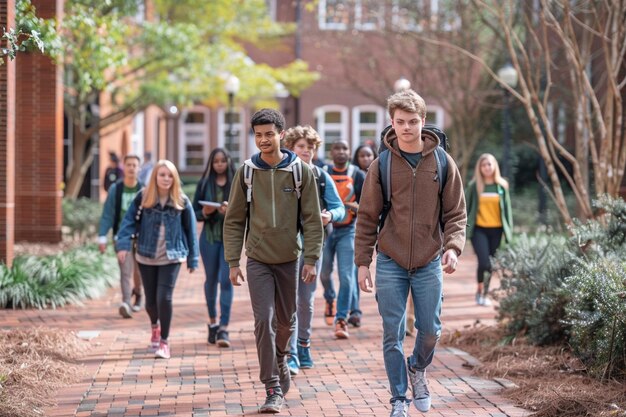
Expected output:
(419, 385)
(164, 351)
(400, 409)
(486, 302)
(125, 311)
(480, 300)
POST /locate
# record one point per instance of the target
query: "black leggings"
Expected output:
(158, 285)
(485, 242)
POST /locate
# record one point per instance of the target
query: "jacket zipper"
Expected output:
(412, 228)
(273, 200)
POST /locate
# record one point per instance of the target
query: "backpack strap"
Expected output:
(442, 174)
(321, 184)
(384, 170)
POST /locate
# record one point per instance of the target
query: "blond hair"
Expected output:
(151, 193)
(294, 134)
(478, 176)
(408, 101)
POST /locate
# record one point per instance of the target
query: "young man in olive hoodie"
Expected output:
(414, 245)
(267, 215)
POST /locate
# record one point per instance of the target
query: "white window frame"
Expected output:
(222, 128)
(439, 115)
(323, 25)
(203, 138)
(395, 18)
(357, 127)
(271, 9)
(138, 136)
(322, 126)
(358, 16)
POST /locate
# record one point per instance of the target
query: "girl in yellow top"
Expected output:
(488, 218)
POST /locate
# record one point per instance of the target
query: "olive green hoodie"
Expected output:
(272, 235)
(411, 235)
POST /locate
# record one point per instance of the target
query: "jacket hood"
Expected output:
(256, 160)
(431, 141)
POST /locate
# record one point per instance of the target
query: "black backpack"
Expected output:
(384, 167)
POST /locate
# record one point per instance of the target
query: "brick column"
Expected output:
(7, 142)
(39, 150)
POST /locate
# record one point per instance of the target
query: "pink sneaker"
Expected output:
(156, 338)
(163, 351)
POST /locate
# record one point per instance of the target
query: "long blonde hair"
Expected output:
(478, 176)
(151, 192)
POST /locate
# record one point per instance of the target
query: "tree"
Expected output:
(443, 76)
(30, 33)
(569, 55)
(182, 56)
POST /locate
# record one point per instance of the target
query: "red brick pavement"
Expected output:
(124, 379)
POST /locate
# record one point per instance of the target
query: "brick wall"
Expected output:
(7, 142)
(39, 144)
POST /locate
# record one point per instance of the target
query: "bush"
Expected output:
(597, 315)
(56, 280)
(531, 294)
(81, 217)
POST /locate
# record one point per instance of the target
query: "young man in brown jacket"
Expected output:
(272, 194)
(414, 245)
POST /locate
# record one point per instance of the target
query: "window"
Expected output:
(368, 15)
(408, 15)
(332, 124)
(194, 139)
(419, 15)
(367, 123)
(435, 116)
(138, 137)
(271, 9)
(333, 14)
(231, 133)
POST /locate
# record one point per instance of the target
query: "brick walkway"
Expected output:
(124, 379)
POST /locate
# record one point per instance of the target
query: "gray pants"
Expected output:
(304, 317)
(130, 279)
(273, 296)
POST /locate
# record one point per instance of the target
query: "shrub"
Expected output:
(81, 217)
(56, 280)
(597, 315)
(530, 293)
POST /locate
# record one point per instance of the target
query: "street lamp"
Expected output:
(508, 75)
(401, 84)
(232, 87)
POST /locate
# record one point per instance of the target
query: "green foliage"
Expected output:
(31, 33)
(597, 315)
(81, 217)
(557, 289)
(53, 281)
(532, 300)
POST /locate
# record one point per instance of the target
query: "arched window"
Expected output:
(367, 123)
(331, 122)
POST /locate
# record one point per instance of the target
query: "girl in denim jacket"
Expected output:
(214, 186)
(163, 219)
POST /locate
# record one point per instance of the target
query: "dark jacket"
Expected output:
(411, 236)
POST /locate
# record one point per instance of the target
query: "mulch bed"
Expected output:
(34, 364)
(550, 380)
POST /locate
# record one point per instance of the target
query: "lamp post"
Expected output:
(508, 75)
(232, 87)
(401, 84)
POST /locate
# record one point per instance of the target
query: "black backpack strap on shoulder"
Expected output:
(384, 168)
(442, 173)
(320, 179)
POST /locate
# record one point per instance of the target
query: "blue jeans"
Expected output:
(392, 288)
(216, 271)
(340, 242)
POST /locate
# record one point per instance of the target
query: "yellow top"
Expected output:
(489, 208)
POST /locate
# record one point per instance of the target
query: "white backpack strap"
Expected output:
(248, 171)
(295, 167)
(351, 170)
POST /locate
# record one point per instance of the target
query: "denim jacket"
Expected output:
(180, 231)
